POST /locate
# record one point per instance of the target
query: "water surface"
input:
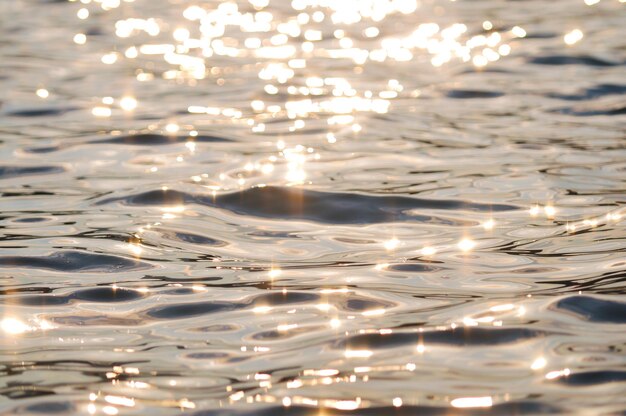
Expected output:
(312, 207)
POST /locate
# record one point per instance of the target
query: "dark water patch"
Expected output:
(152, 139)
(94, 31)
(591, 378)
(274, 334)
(146, 139)
(541, 35)
(40, 112)
(593, 111)
(22, 392)
(168, 197)
(593, 309)
(207, 355)
(414, 267)
(284, 298)
(107, 294)
(14, 171)
(97, 320)
(187, 237)
(36, 300)
(217, 328)
(179, 291)
(31, 219)
(300, 204)
(459, 337)
(590, 93)
(272, 234)
(467, 94)
(103, 294)
(97, 294)
(75, 261)
(361, 304)
(354, 240)
(47, 149)
(487, 69)
(27, 193)
(188, 310)
(570, 60)
(47, 408)
(334, 207)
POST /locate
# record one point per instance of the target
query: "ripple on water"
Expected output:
(593, 309)
(191, 309)
(47, 408)
(591, 378)
(605, 110)
(191, 238)
(458, 337)
(152, 139)
(188, 310)
(571, 60)
(467, 94)
(590, 93)
(301, 204)
(144, 139)
(15, 171)
(414, 267)
(101, 294)
(40, 112)
(75, 262)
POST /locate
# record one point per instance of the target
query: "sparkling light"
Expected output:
(14, 326)
(550, 211)
(120, 401)
(101, 111)
(128, 103)
(534, 210)
(465, 402)
(466, 245)
(538, 364)
(573, 37)
(109, 58)
(518, 31)
(373, 312)
(80, 38)
(110, 410)
(391, 244)
(428, 251)
(358, 353)
(172, 128)
(489, 224)
(558, 373)
(82, 13)
(42, 93)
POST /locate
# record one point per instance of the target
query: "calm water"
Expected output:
(350, 207)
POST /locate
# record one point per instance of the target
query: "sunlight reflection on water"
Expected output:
(268, 207)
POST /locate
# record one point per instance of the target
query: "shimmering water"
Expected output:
(364, 207)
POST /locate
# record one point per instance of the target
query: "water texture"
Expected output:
(264, 207)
